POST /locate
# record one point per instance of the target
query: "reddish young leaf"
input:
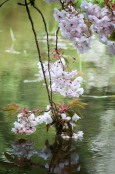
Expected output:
(24, 110)
(56, 56)
(11, 107)
(113, 6)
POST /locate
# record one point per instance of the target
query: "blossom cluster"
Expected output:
(65, 118)
(75, 136)
(24, 149)
(79, 28)
(26, 122)
(103, 22)
(74, 28)
(45, 118)
(68, 84)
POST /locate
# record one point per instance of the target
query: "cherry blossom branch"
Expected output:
(57, 38)
(3, 3)
(40, 59)
(38, 49)
(62, 4)
(23, 4)
(48, 46)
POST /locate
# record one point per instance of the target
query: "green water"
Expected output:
(95, 154)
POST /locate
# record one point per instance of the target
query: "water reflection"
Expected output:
(64, 157)
(20, 153)
(100, 71)
(103, 145)
(11, 49)
(60, 157)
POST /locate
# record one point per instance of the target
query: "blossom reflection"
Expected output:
(60, 157)
(64, 157)
(20, 154)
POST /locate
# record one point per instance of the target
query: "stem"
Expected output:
(38, 49)
(57, 37)
(3, 3)
(40, 59)
(48, 47)
(23, 4)
(56, 48)
(62, 4)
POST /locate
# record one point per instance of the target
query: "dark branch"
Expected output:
(3, 3)
(31, 2)
(23, 4)
(48, 46)
(38, 49)
(40, 58)
(57, 38)
(62, 4)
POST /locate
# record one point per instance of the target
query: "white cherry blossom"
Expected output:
(68, 84)
(75, 117)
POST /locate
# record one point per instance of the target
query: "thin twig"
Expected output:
(57, 37)
(48, 46)
(38, 49)
(3, 3)
(56, 48)
(62, 4)
(23, 4)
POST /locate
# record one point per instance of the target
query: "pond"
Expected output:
(42, 152)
